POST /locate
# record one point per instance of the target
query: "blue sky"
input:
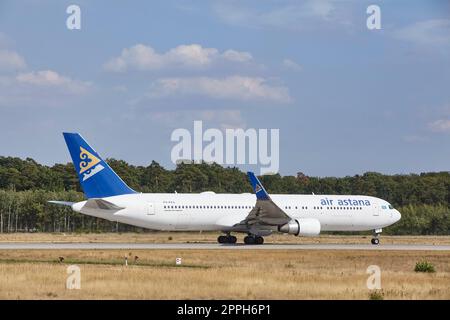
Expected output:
(346, 99)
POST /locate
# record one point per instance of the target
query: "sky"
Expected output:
(346, 99)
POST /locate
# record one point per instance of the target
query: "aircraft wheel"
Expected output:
(259, 240)
(375, 241)
(249, 240)
(222, 239)
(232, 239)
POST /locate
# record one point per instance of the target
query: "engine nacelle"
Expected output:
(301, 227)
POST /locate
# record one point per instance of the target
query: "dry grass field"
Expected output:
(210, 237)
(221, 274)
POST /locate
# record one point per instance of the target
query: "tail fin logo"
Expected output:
(89, 164)
(258, 188)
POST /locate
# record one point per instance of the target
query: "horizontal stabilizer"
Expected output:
(100, 204)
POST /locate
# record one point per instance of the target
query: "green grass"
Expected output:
(376, 295)
(424, 266)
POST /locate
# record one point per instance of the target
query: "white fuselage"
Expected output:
(211, 211)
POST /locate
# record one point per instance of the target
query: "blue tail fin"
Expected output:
(96, 177)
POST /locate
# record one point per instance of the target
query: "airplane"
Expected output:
(257, 215)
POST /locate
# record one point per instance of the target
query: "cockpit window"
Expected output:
(383, 207)
(391, 207)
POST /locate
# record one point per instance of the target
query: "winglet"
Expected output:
(62, 203)
(261, 193)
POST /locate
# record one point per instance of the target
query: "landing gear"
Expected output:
(227, 239)
(252, 239)
(375, 240)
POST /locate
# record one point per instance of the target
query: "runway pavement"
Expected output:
(213, 246)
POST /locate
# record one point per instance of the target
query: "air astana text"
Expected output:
(344, 202)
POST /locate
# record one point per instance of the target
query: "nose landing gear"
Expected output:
(376, 233)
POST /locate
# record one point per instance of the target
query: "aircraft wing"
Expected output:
(266, 212)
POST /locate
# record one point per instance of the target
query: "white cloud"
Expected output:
(320, 8)
(10, 60)
(41, 88)
(429, 32)
(142, 57)
(237, 56)
(49, 78)
(442, 125)
(139, 56)
(191, 55)
(233, 87)
(289, 64)
(287, 15)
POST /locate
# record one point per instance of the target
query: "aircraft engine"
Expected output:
(301, 227)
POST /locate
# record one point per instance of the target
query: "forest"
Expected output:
(26, 186)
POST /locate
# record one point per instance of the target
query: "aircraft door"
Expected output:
(375, 210)
(150, 209)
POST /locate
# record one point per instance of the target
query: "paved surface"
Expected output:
(209, 246)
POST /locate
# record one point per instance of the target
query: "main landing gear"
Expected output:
(375, 240)
(227, 239)
(253, 239)
(250, 239)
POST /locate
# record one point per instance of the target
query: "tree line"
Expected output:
(26, 186)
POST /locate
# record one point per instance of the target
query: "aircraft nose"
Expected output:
(397, 216)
